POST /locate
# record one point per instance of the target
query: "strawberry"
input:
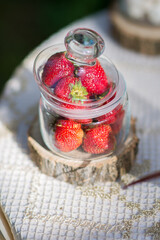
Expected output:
(57, 67)
(112, 117)
(99, 140)
(68, 135)
(116, 126)
(84, 121)
(71, 90)
(109, 91)
(93, 78)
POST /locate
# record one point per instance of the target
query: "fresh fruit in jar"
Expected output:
(112, 116)
(57, 67)
(109, 91)
(70, 89)
(99, 139)
(84, 121)
(116, 126)
(68, 135)
(93, 78)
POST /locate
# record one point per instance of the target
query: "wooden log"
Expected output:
(140, 37)
(79, 172)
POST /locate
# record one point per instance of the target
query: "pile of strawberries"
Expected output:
(76, 84)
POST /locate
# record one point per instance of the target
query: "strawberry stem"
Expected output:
(78, 92)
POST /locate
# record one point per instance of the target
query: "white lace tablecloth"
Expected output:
(39, 207)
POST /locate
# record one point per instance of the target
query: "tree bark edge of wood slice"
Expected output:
(133, 35)
(81, 172)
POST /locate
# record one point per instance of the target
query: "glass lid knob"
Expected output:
(84, 45)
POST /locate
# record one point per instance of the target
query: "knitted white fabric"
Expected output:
(40, 207)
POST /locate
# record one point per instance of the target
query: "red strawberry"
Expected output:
(116, 126)
(99, 139)
(107, 93)
(70, 89)
(68, 135)
(112, 117)
(57, 67)
(93, 78)
(84, 121)
(62, 89)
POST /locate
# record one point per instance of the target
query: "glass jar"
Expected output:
(84, 109)
(143, 11)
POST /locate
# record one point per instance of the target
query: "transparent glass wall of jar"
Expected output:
(84, 122)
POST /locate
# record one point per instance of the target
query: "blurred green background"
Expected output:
(25, 24)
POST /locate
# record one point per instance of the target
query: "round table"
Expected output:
(37, 206)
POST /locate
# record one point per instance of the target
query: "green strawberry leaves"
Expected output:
(78, 92)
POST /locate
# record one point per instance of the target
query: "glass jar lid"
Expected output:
(77, 76)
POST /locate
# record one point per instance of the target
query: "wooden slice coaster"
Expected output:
(79, 171)
(142, 38)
